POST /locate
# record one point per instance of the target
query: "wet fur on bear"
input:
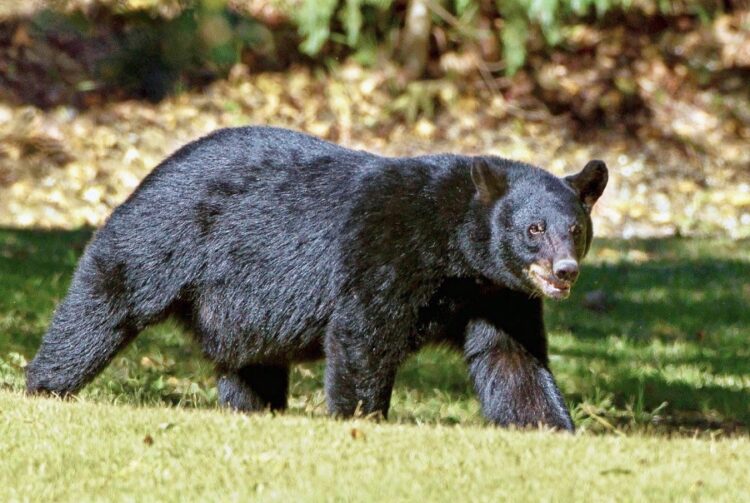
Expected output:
(275, 247)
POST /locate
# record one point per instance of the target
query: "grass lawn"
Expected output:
(55, 451)
(652, 348)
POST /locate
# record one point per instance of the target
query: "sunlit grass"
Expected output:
(66, 451)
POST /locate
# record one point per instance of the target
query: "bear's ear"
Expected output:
(590, 182)
(491, 183)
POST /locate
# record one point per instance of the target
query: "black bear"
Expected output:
(275, 247)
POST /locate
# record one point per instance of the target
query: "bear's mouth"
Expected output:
(547, 284)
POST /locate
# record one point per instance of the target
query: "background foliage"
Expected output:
(214, 33)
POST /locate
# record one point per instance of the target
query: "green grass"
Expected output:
(57, 451)
(668, 358)
(669, 354)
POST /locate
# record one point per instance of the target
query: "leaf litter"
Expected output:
(677, 147)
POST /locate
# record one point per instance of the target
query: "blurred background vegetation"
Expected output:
(153, 47)
(93, 93)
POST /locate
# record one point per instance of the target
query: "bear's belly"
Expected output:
(237, 324)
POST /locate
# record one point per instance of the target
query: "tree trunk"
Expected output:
(415, 39)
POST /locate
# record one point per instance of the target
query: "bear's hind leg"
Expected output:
(73, 352)
(88, 329)
(255, 388)
(103, 311)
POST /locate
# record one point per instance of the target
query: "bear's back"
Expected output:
(243, 215)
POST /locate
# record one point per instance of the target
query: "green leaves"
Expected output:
(351, 19)
(514, 35)
(313, 22)
(315, 19)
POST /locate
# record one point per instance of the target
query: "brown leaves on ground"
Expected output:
(67, 168)
(669, 113)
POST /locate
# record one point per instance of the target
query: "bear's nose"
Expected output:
(566, 269)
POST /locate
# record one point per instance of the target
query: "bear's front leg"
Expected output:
(359, 376)
(514, 387)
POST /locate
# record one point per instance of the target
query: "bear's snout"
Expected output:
(566, 270)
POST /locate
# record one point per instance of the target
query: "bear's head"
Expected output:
(531, 229)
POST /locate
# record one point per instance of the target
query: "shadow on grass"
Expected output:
(675, 330)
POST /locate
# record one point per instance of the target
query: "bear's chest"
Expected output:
(445, 316)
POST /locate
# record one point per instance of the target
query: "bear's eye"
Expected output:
(575, 229)
(536, 229)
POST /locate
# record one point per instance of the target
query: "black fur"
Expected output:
(275, 247)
